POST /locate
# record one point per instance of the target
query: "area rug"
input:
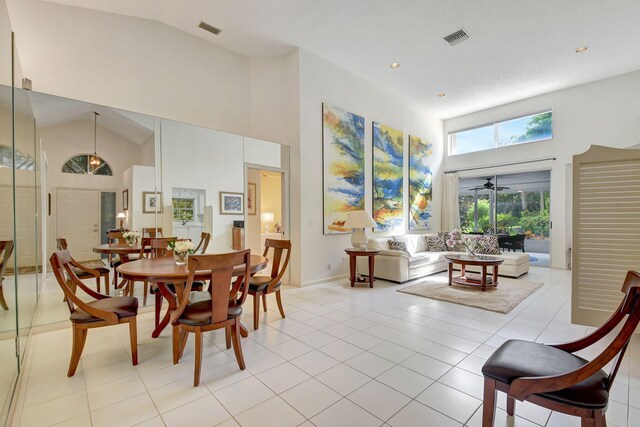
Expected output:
(501, 299)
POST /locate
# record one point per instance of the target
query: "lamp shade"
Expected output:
(268, 216)
(121, 215)
(359, 219)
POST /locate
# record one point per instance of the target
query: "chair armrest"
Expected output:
(394, 253)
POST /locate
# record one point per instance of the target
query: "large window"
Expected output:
(81, 164)
(183, 210)
(534, 127)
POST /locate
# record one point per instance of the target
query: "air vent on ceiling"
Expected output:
(457, 37)
(210, 28)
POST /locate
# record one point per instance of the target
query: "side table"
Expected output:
(353, 254)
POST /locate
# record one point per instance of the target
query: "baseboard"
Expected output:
(326, 279)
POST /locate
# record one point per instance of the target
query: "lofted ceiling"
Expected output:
(517, 48)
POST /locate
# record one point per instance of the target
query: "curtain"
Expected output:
(450, 208)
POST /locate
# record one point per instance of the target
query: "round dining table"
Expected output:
(123, 250)
(165, 270)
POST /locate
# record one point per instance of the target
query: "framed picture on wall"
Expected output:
(231, 203)
(251, 199)
(125, 200)
(151, 202)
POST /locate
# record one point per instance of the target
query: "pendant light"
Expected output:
(94, 161)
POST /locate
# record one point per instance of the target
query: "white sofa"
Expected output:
(400, 266)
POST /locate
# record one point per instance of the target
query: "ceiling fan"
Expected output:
(489, 186)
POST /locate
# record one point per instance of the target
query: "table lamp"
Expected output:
(267, 218)
(358, 221)
(121, 216)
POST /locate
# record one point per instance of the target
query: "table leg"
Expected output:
(371, 266)
(352, 269)
(495, 275)
(484, 278)
(450, 273)
(166, 293)
(463, 270)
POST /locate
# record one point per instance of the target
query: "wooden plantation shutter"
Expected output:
(606, 230)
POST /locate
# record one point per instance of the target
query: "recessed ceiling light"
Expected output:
(442, 95)
(581, 49)
(395, 65)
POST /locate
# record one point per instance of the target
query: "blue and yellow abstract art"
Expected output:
(388, 209)
(343, 165)
(420, 190)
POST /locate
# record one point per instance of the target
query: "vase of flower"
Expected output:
(131, 237)
(458, 242)
(181, 249)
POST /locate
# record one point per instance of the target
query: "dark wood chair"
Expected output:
(103, 311)
(553, 377)
(87, 269)
(222, 310)
(6, 249)
(265, 285)
(515, 242)
(203, 244)
(152, 232)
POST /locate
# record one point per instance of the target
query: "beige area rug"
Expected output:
(501, 299)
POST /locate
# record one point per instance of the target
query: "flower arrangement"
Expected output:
(131, 237)
(181, 248)
(456, 239)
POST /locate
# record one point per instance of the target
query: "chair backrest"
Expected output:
(204, 242)
(61, 243)
(152, 232)
(160, 247)
(280, 248)
(114, 236)
(224, 291)
(62, 264)
(6, 249)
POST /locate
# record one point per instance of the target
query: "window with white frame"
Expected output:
(520, 130)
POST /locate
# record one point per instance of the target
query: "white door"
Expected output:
(78, 220)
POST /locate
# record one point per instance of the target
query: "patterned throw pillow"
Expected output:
(395, 245)
(487, 245)
(436, 244)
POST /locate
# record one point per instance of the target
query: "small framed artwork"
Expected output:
(125, 200)
(231, 203)
(251, 199)
(151, 202)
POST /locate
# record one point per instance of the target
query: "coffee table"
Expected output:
(481, 280)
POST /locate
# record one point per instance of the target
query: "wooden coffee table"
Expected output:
(481, 280)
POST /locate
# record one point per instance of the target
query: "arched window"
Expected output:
(80, 164)
(23, 161)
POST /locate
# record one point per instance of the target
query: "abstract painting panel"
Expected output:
(343, 165)
(388, 210)
(420, 189)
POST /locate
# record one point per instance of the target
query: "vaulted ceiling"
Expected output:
(517, 48)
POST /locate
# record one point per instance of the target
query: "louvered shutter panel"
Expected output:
(606, 230)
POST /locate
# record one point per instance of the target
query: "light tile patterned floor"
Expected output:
(342, 357)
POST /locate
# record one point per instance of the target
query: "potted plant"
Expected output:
(131, 237)
(181, 248)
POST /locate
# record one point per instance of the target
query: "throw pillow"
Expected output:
(395, 245)
(487, 245)
(436, 244)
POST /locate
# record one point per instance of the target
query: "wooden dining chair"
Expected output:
(152, 232)
(553, 377)
(114, 236)
(90, 267)
(222, 310)
(203, 244)
(265, 285)
(102, 311)
(6, 249)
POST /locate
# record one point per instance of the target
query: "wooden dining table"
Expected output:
(165, 270)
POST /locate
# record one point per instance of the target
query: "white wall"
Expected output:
(141, 179)
(130, 63)
(606, 112)
(321, 81)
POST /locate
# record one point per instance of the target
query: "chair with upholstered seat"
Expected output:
(6, 249)
(552, 376)
(152, 232)
(102, 311)
(203, 243)
(265, 285)
(87, 269)
(222, 310)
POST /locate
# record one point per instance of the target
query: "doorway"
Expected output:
(510, 204)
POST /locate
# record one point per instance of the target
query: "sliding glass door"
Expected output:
(509, 205)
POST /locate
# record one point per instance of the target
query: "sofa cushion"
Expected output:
(436, 244)
(487, 244)
(378, 244)
(414, 242)
(424, 258)
(396, 245)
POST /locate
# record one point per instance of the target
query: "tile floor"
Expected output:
(342, 357)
